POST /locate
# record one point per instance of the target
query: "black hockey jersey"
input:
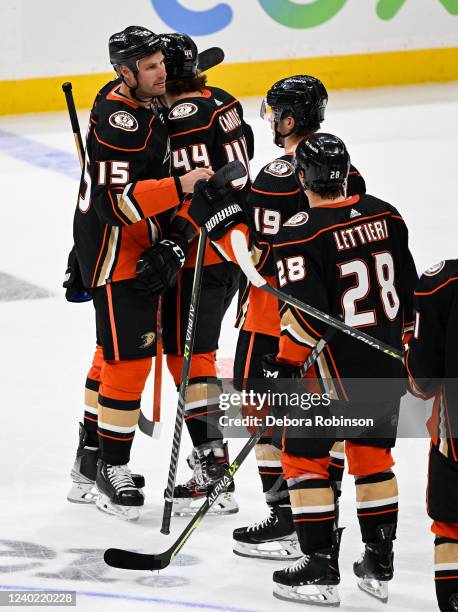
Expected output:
(126, 194)
(432, 355)
(208, 130)
(347, 259)
(275, 196)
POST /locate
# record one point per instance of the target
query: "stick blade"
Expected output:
(209, 58)
(126, 559)
(145, 425)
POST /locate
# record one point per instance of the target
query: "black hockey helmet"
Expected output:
(131, 45)
(180, 56)
(182, 60)
(324, 160)
(303, 96)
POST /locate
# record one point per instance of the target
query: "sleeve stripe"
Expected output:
(327, 229)
(204, 127)
(447, 282)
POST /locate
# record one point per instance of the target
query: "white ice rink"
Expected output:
(404, 142)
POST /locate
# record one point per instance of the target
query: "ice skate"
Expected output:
(375, 568)
(117, 493)
(453, 603)
(84, 472)
(208, 465)
(313, 579)
(272, 538)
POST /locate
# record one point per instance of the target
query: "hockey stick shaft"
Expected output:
(221, 177)
(243, 257)
(125, 559)
(67, 89)
(187, 355)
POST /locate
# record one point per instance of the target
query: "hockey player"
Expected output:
(433, 372)
(125, 204)
(347, 256)
(295, 108)
(206, 129)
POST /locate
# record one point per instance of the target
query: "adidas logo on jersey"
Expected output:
(354, 213)
(218, 102)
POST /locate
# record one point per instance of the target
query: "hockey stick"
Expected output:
(125, 559)
(209, 58)
(67, 89)
(150, 428)
(242, 255)
(153, 428)
(224, 175)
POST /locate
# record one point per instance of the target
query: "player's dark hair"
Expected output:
(331, 193)
(181, 86)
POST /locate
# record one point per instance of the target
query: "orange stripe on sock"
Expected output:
(118, 439)
(273, 473)
(193, 416)
(445, 577)
(376, 513)
(112, 323)
(336, 465)
(90, 419)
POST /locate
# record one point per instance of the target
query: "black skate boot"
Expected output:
(375, 567)
(117, 493)
(208, 462)
(272, 538)
(453, 603)
(84, 472)
(313, 579)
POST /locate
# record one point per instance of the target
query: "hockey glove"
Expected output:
(215, 209)
(73, 282)
(158, 267)
(279, 369)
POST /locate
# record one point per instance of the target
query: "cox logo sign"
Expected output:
(286, 12)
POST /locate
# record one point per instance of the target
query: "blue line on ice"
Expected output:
(39, 155)
(139, 598)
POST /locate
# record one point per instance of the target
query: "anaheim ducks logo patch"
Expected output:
(435, 269)
(148, 339)
(123, 121)
(300, 218)
(186, 109)
(279, 167)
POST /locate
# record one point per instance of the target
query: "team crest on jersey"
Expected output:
(279, 167)
(123, 121)
(299, 218)
(148, 339)
(186, 109)
(435, 269)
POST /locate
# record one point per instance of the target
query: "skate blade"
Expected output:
(374, 588)
(312, 595)
(278, 550)
(82, 493)
(125, 513)
(225, 504)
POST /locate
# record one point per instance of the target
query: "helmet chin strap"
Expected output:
(278, 136)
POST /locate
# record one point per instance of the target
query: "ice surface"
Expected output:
(404, 141)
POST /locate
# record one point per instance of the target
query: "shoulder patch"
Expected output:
(186, 109)
(299, 218)
(279, 167)
(123, 121)
(433, 270)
